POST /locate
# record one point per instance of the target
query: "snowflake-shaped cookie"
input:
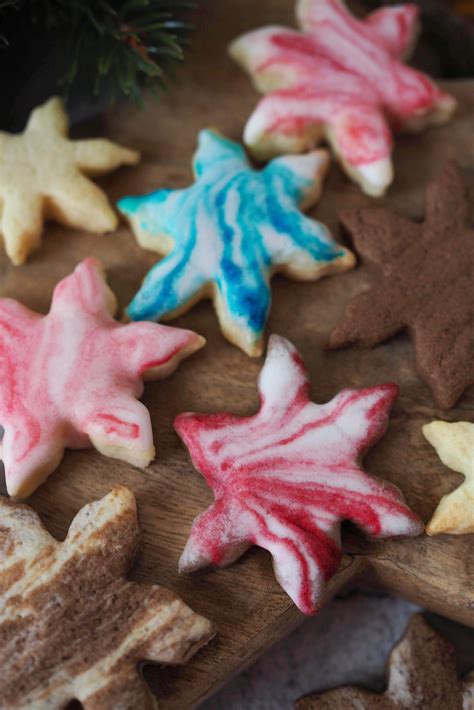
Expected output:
(41, 176)
(422, 675)
(341, 80)
(71, 378)
(285, 478)
(73, 627)
(422, 282)
(454, 444)
(228, 233)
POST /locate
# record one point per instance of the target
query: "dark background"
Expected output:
(31, 60)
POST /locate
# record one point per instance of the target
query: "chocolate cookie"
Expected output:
(423, 283)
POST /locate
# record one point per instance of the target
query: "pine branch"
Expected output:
(6, 5)
(120, 46)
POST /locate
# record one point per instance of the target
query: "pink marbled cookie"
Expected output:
(71, 378)
(339, 79)
(285, 478)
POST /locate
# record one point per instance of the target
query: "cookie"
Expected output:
(422, 676)
(71, 378)
(454, 444)
(228, 233)
(72, 626)
(42, 176)
(285, 478)
(341, 80)
(468, 691)
(423, 284)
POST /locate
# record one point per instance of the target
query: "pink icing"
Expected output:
(73, 376)
(285, 478)
(342, 76)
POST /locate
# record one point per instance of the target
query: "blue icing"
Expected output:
(217, 153)
(231, 228)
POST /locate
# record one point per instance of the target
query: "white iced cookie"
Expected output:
(342, 80)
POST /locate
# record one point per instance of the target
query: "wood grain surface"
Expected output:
(245, 602)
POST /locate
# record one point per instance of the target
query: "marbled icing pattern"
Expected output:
(285, 478)
(230, 232)
(341, 80)
(71, 378)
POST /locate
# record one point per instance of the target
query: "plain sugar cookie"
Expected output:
(42, 175)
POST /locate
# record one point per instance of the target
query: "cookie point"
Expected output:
(125, 317)
(444, 109)
(234, 48)
(109, 222)
(278, 341)
(391, 388)
(54, 104)
(252, 348)
(92, 262)
(388, 392)
(129, 204)
(123, 494)
(18, 258)
(375, 177)
(180, 420)
(433, 429)
(347, 259)
(427, 428)
(434, 528)
(322, 158)
(131, 156)
(19, 490)
(209, 134)
(54, 100)
(336, 339)
(190, 561)
(199, 340)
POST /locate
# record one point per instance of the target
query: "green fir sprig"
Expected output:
(4, 6)
(110, 45)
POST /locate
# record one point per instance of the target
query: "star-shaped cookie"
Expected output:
(228, 233)
(72, 626)
(422, 676)
(285, 478)
(454, 444)
(72, 378)
(342, 80)
(42, 176)
(423, 283)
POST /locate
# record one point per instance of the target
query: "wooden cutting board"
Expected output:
(245, 602)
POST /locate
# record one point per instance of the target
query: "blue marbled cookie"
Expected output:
(228, 233)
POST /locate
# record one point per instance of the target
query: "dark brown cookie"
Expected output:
(424, 283)
(422, 676)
